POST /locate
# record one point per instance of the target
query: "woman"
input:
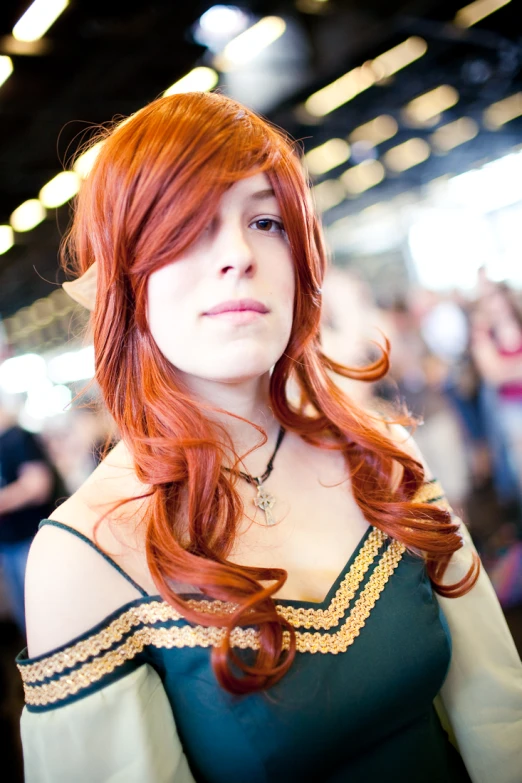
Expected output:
(241, 591)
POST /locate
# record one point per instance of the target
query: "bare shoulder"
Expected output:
(70, 587)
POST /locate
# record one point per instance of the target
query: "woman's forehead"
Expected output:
(255, 188)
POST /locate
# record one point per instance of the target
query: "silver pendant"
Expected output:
(265, 502)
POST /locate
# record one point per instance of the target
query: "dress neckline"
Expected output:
(286, 605)
(335, 586)
(291, 601)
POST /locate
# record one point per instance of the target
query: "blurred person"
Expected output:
(444, 329)
(29, 488)
(446, 332)
(502, 469)
(248, 587)
(497, 351)
(419, 374)
(497, 347)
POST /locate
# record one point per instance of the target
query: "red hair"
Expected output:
(154, 187)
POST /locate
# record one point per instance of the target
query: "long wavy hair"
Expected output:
(155, 186)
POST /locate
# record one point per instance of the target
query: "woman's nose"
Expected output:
(235, 254)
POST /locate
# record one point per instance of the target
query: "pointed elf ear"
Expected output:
(83, 289)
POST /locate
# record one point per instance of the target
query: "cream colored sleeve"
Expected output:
(482, 694)
(123, 733)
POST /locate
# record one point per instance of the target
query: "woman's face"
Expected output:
(223, 310)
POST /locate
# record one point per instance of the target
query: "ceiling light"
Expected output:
(328, 194)
(311, 6)
(364, 76)
(406, 155)
(200, 79)
(84, 162)
(399, 57)
(376, 131)
(218, 25)
(249, 44)
(449, 136)
(474, 12)
(28, 215)
(6, 238)
(340, 91)
(327, 156)
(6, 68)
(427, 106)
(10, 45)
(223, 19)
(38, 18)
(60, 189)
(503, 111)
(362, 177)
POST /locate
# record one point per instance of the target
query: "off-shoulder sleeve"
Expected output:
(482, 694)
(122, 733)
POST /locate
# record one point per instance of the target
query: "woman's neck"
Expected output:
(239, 405)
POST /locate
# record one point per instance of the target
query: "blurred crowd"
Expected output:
(456, 363)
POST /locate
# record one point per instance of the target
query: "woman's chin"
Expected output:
(231, 367)
(239, 374)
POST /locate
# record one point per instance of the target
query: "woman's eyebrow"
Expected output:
(259, 195)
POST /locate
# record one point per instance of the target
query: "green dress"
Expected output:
(357, 704)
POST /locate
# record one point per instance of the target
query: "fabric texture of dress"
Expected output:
(135, 698)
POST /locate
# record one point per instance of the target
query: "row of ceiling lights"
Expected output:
(364, 139)
(32, 26)
(243, 47)
(423, 111)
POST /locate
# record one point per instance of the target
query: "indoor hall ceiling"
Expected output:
(105, 58)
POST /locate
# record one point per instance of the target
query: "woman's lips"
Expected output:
(238, 306)
(238, 311)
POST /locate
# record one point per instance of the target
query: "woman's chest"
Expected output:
(317, 526)
(316, 529)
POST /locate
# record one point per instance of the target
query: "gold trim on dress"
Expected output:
(161, 611)
(320, 619)
(143, 614)
(200, 636)
(429, 492)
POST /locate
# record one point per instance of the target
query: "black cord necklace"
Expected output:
(264, 500)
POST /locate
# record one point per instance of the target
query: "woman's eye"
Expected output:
(268, 226)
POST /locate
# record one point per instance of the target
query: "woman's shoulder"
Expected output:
(70, 586)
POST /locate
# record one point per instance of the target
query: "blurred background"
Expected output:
(409, 116)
